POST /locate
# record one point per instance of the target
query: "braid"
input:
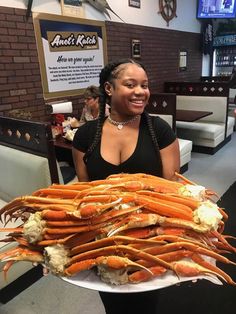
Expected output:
(108, 74)
(154, 138)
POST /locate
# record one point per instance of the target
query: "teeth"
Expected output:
(138, 101)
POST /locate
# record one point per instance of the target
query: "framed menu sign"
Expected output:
(71, 51)
(135, 3)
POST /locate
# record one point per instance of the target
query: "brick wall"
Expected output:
(159, 51)
(20, 81)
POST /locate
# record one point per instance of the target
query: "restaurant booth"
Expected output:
(211, 127)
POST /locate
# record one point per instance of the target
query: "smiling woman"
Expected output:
(120, 143)
(128, 141)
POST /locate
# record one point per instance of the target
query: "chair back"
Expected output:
(163, 105)
(28, 160)
(31, 137)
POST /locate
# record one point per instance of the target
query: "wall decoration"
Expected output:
(135, 3)
(103, 7)
(136, 48)
(72, 8)
(182, 60)
(71, 52)
(167, 9)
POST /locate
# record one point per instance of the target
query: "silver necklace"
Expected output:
(121, 124)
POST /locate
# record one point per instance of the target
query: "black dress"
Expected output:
(145, 160)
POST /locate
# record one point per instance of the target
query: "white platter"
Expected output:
(89, 280)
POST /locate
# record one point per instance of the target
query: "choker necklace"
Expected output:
(120, 125)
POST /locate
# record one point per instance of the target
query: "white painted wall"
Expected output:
(146, 16)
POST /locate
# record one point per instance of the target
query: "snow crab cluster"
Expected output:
(130, 227)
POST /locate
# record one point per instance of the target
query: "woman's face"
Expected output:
(91, 102)
(129, 93)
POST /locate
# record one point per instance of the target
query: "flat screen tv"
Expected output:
(216, 9)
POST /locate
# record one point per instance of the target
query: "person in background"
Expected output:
(127, 140)
(91, 108)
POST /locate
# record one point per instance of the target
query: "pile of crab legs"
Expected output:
(139, 223)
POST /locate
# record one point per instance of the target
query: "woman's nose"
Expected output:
(138, 89)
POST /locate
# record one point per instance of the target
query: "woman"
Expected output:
(130, 141)
(91, 108)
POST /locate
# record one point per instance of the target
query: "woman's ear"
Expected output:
(108, 88)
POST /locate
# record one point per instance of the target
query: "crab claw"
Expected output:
(21, 254)
(112, 261)
(191, 269)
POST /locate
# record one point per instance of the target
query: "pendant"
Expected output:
(120, 126)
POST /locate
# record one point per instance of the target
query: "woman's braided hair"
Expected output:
(108, 74)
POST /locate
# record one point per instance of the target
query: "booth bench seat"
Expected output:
(185, 147)
(202, 133)
(27, 163)
(210, 133)
(23, 174)
(230, 125)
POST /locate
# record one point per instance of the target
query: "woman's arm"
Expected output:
(80, 166)
(170, 156)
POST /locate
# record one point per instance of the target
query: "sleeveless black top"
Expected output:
(144, 158)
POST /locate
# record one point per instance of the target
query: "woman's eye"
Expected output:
(130, 85)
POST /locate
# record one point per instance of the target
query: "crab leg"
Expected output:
(143, 220)
(50, 192)
(114, 262)
(187, 181)
(168, 257)
(115, 240)
(62, 218)
(119, 249)
(143, 275)
(22, 254)
(6, 267)
(174, 198)
(27, 201)
(223, 240)
(16, 229)
(189, 246)
(86, 211)
(70, 230)
(190, 269)
(63, 188)
(199, 260)
(161, 208)
(89, 211)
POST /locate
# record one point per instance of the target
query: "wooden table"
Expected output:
(61, 142)
(63, 149)
(191, 115)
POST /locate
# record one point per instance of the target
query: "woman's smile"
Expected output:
(139, 103)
